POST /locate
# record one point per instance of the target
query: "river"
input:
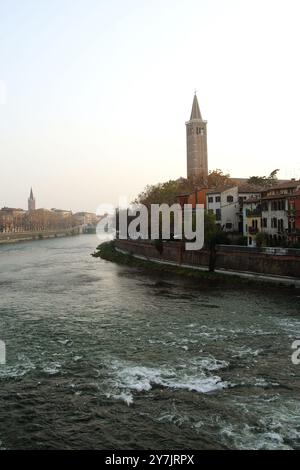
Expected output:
(101, 356)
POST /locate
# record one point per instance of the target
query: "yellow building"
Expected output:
(252, 220)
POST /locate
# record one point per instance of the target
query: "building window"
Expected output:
(210, 199)
(280, 225)
(218, 198)
(281, 205)
(278, 205)
(229, 225)
(229, 198)
(265, 222)
(218, 214)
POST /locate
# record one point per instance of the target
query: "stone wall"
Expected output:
(235, 258)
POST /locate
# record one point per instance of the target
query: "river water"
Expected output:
(102, 356)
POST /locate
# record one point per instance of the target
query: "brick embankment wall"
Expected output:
(259, 263)
(172, 251)
(231, 258)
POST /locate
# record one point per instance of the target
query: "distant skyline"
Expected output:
(94, 95)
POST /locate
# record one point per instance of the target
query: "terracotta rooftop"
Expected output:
(249, 188)
(10, 209)
(286, 185)
(252, 200)
(220, 189)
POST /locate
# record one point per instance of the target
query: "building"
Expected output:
(85, 218)
(11, 211)
(251, 219)
(196, 197)
(276, 213)
(246, 192)
(279, 220)
(62, 212)
(227, 203)
(31, 202)
(224, 203)
(196, 138)
(294, 217)
(11, 219)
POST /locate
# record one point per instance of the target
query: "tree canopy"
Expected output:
(264, 181)
(167, 192)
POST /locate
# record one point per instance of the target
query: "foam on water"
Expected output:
(126, 397)
(290, 326)
(245, 351)
(22, 367)
(53, 368)
(111, 353)
(129, 378)
(276, 428)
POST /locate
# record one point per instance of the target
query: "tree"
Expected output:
(213, 235)
(218, 178)
(264, 181)
(261, 239)
(169, 191)
(161, 193)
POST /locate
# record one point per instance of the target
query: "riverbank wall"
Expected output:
(15, 237)
(273, 262)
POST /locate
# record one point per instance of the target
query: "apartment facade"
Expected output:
(224, 203)
(294, 217)
(250, 210)
(279, 220)
(251, 219)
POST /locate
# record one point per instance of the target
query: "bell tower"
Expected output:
(31, 202)
(196, 138)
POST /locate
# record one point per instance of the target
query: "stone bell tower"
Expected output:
(31, 202)
(196, 138)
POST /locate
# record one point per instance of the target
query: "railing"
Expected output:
(268, 250)
(253, 213)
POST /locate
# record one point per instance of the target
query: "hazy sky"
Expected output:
(94, 94)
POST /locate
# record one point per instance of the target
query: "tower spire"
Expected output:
(195, 114)
(31, 202)
(196, 135)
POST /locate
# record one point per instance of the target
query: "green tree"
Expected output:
(169, 191)
(264, 181)
(213, 235)
(218, 178)
(261, 239)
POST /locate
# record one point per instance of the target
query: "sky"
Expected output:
(94, 94)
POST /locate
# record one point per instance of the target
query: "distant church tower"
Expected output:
(196, 138)
(31, 202)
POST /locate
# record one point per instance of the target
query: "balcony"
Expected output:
(253, 213)
(253, 230)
